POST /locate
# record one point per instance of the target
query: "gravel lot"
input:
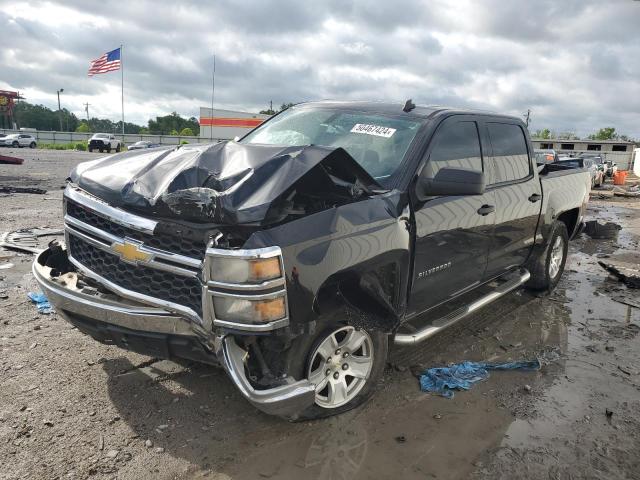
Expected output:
(73, 408)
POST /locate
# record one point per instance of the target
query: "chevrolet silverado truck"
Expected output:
(296, 256)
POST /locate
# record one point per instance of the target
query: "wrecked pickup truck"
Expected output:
(295, 256)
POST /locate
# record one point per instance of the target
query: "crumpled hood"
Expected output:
(224, 183)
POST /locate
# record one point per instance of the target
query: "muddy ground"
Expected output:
(73, 408)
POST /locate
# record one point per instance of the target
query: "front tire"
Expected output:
(32, 145)
(346, 364)
(549, 266)
(15, 145)
(118, 148)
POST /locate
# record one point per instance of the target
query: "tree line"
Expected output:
(606, 133)
(27, 115)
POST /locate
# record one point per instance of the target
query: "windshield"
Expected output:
(378, 143)
(101, 135)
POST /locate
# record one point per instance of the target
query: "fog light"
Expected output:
(234, 309)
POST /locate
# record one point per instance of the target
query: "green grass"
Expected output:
(80, 146)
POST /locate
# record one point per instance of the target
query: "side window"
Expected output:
(457, 145)
(510, 155)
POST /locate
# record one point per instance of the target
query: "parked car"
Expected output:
(104, 142)
(545, 156)
(19, 140)
(296, 257)
(142, 144)
(588, 163)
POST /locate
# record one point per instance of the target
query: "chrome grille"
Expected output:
(186, 291)
(119, 250)
(162, 241)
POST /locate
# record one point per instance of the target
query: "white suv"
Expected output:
(18, 140)
(103, 142)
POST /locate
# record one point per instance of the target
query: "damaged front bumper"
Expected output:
(113, 319)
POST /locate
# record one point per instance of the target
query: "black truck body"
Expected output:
(347, 254)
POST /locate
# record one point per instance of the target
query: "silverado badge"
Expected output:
(129, 251)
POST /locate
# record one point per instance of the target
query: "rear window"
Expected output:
(510, 154)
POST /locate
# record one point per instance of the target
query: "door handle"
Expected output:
(535, 197)
(486, 210)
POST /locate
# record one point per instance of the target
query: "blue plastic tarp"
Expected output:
(41, 301)
(462, 376)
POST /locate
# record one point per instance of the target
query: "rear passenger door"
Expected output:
(518, 196)
(453, 233)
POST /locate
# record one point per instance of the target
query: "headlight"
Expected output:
(241, 270)
(237, 309)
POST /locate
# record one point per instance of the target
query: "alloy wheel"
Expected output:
(340, 366)
(557, 255)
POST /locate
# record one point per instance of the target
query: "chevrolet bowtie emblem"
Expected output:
(130, 252)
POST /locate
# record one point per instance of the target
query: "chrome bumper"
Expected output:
(285, 400)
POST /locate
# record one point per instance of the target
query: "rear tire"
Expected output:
(118, 148)
(32, 145)
(15, 145)
(368, 359)
(549, 266)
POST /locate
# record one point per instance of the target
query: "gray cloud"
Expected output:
(572, 62)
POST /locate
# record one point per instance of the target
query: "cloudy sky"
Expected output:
(574, 63)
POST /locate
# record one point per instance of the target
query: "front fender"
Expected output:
(360, 251)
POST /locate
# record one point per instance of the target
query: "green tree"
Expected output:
(607, 133)
(186, 132)
(173, 132)
(83, 128)
(168, 123)
(544, 134)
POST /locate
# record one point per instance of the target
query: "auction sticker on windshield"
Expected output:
(376, 130)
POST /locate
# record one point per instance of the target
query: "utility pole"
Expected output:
(527, 116)
(86, 109)
(59, 109)
(213, 93)
(271, 105)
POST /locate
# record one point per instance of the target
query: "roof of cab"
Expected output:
(421, 111)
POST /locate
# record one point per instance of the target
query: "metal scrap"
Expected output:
(626, 273)
(13, 189)
(26, 239)
(11, 160)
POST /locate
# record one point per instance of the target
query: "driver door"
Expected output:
(453, 233)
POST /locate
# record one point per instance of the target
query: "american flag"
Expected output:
(108, 62)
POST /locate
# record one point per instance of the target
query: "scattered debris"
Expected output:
(461, 376)
(602, 231)
(12, 189)
(26, 239)
(627, 273)
(6, 266)
(621, 192)
(41, 301)
(11, 160)
(101, 442)
(527, 388)
(626, 301)
(401, 439)
(148, 443)
(112, 453)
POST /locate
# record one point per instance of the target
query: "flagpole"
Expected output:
(122, 88)
(213, 92)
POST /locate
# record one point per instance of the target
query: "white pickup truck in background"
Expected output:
(103, 142)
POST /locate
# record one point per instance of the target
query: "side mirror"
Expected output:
(451, 181)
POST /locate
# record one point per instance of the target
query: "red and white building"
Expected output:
(218, 124)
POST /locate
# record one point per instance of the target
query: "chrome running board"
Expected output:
(512, 281)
